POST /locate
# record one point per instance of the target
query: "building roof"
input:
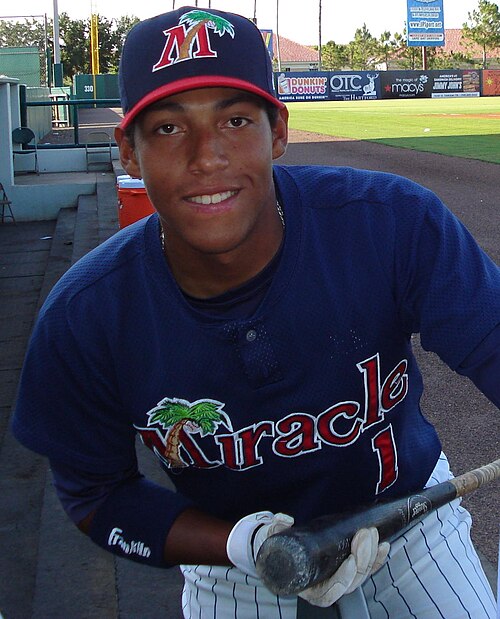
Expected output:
(455, 42)
(294, 52)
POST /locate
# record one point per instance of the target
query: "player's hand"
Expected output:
(367, 556)
(248, 535)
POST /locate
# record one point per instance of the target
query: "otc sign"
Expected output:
(425, 23)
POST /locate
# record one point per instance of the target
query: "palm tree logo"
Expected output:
(195, 21)
(202, 417)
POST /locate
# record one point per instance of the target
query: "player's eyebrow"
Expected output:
(242, 97)
(223, 104)
(165, 104)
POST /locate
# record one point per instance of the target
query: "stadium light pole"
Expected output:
(58, 74)
(278, 34)
(319, 47)
(255, 11)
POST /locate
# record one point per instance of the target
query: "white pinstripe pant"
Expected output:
(432, 572)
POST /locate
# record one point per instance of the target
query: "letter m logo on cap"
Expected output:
(190, 39)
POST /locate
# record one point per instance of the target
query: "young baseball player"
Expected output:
(255, 333)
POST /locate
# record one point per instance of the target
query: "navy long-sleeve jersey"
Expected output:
(309, 405)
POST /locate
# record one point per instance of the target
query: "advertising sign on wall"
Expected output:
(364, 85)
(405, 85)
(491, 83)
(328, 85)
(302, 86)
(425, 84)
(267, 35)
(345, 86)
(464, 83)
(425, 23)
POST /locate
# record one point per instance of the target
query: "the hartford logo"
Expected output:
(129, 548)
(354, 85)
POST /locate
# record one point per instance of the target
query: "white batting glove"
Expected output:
(367, 556)
(248, 535)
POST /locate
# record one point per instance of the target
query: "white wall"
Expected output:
(52, 160)
(43, 202)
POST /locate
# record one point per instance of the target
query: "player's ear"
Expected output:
(280, 133)
(128, 158)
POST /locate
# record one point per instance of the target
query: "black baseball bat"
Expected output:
(300, 557)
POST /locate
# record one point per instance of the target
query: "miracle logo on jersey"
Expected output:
(201, 434)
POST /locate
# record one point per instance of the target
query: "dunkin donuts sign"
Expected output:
(302, 86)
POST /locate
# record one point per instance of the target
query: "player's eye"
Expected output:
(167, 129)
(238, 121)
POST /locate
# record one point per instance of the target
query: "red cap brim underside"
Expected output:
(192, 83)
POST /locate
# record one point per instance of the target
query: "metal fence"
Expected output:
(73, 106)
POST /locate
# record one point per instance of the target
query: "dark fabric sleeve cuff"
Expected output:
(133, 522)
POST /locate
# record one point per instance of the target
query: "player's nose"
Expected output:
(207, 152)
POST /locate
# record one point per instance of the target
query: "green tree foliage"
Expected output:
(75, 45)
(334, 57)
(364, 50)
(438, 59)
(28, 33)
(74, 40)
(387, 44)
(75, 53)
(483, 28)
(404, 56)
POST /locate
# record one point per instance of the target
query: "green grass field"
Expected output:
(461, 127)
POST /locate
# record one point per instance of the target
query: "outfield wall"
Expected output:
(365, 85)
(344, 85)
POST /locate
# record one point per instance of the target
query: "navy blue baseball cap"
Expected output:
(192, 48)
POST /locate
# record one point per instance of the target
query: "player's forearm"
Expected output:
(134, 521)
(198, 539)
(107, 508)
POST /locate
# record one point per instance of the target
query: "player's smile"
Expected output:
(215, 198)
